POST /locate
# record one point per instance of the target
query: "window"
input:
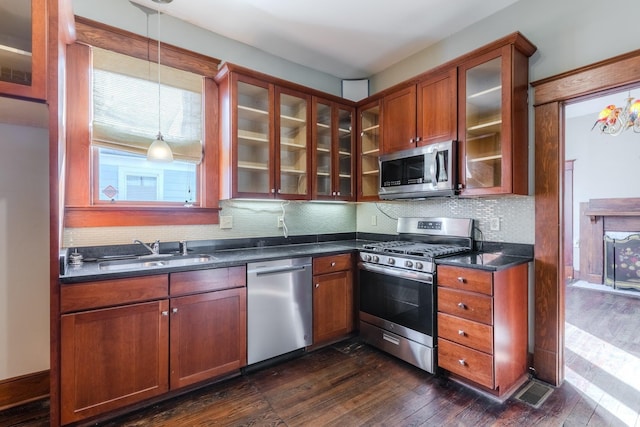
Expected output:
(125, 98)
(112, 118)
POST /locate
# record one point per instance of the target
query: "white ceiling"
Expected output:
(349, 39)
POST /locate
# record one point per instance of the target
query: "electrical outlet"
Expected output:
(226, 221)
(280, 222)
(494, 224)
(374, 220)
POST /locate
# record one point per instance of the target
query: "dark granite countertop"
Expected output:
(491, 256)
(91, 271)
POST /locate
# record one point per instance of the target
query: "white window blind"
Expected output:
(125, 106)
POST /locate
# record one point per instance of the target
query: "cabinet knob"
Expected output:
(462, 362)
(461, 332)
(411, 141)
(418, 139)
(462, 280)
(333, 263)
(317, 285)
(462, 306)
(337, 193)
(174, 310)
(273, 190)
(165, 313)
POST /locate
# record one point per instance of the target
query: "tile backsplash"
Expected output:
(514, 215)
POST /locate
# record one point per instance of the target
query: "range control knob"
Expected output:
(408, 264)
(419, 265)
(367, 257)
(375, 258)
(391, 261)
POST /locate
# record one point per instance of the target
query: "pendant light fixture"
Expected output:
(159, 150)
(614, 120)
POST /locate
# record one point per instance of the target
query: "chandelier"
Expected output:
(614, 120)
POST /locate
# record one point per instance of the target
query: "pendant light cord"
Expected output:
(159, 103)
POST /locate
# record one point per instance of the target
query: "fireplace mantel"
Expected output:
(613, 207)
(597, 217)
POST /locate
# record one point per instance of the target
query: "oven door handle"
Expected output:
(397, 272)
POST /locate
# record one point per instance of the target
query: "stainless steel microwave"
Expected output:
(426, 171)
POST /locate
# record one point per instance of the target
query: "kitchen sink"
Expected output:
(146, 262)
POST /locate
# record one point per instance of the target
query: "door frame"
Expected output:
(551, 95)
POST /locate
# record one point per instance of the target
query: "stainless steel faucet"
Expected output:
(154, 248)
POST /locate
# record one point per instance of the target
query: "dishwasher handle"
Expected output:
(281, 270)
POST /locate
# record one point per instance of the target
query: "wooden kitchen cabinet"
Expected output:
(422, 113)
(128, 340)
(482, 326)
(23, 49)
(493, 119)
(334, 151)
(113, 356)
(208, 330)
(369, 148)
(333, 302)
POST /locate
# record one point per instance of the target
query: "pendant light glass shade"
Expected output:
(159, 150)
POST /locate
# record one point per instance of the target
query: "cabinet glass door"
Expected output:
(369, 151)
(345, 153)
(23, 47)
(483, 139)
(293, 142)
(324, 152)
(254, 164)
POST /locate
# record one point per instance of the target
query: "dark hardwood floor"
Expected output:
(352, 384)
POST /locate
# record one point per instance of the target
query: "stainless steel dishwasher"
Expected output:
(279, 307)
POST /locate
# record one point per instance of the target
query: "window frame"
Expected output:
(80, 210)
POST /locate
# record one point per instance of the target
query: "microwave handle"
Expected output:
(433, 169)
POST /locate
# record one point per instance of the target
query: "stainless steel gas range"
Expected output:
(397, 282)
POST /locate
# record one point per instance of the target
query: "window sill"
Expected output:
(112, 216)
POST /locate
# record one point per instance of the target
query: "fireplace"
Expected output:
(616, 218)
(622, 260)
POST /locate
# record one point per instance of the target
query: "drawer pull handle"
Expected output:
(461, 332)
(462, 362)
(333, 264)
(389, 338)
(174, 310)
(462, 280)
(165, 313)
(462, 306)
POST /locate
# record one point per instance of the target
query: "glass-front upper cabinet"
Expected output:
(323, 149)
(293, 141)
(334, 147)
(483, 125)
(23, 48)
(493, 120)
(254, 156)
(370, 144)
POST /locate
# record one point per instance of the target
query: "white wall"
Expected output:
(605, 167)
(24, 250)
(569, 34)
(122, 14)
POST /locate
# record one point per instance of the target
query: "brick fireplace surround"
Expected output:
(597, 217)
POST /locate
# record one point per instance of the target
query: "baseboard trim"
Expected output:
(23, 389)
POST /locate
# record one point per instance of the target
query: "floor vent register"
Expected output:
(534, 393)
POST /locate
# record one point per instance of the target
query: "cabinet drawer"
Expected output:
(467, 279)
(466, 332)
(331, 263)
(466, 362)
(189, 282)
(468, 305)
(107, 293)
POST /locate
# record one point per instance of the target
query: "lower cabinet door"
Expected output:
(113, 357)
(332, 305)
(208, 335)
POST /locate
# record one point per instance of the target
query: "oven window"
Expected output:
(402, 301)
